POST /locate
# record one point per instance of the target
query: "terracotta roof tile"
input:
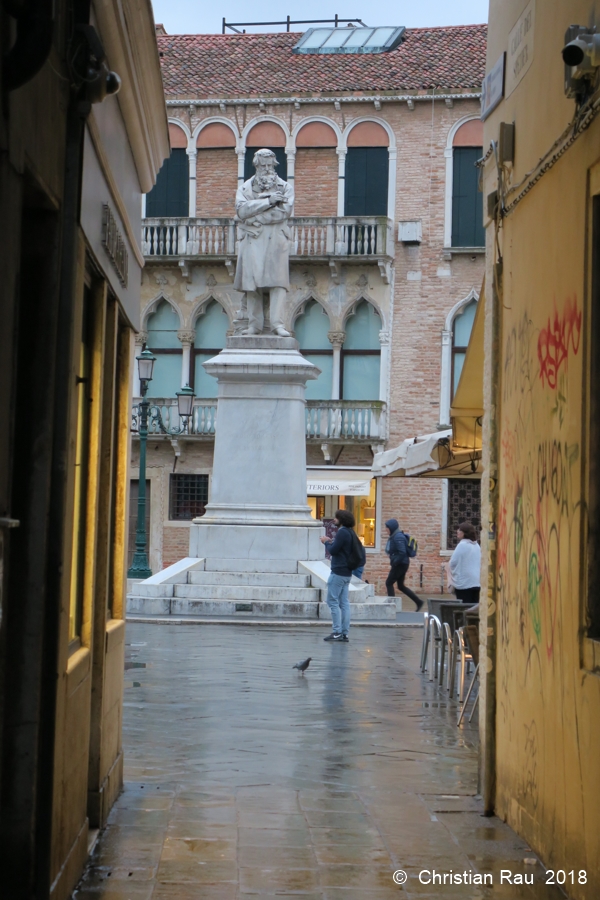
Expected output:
(215, 65)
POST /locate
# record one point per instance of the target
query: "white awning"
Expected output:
(428, 454)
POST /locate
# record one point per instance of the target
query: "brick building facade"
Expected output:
(386, 263)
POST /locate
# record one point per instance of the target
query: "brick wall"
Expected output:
(176, 541)
(316, 181)
(216, 182)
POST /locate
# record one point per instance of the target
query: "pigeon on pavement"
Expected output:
(303, 666)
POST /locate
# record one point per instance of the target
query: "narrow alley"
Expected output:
(245, 778)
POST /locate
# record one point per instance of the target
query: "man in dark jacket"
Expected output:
(397, 550)
(338, 584)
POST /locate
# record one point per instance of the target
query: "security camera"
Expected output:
(581, 56)
(101, 83)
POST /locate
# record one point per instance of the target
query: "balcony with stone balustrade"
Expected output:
(330, 239)
(327, 421)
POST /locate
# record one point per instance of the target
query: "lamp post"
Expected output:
(140, 566)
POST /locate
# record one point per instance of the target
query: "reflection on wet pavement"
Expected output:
(245, 778)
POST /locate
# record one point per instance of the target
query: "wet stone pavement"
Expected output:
(245, 779)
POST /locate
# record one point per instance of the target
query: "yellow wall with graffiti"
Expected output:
(547, 738)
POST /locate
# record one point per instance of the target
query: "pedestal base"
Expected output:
(256, 542)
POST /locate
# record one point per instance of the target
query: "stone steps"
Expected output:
(249, 588)
(260, 566)
(244, 592)
(144, 606)
(255, 579)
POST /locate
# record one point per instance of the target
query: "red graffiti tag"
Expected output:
(556, 339)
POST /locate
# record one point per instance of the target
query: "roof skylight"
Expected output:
(350, 40)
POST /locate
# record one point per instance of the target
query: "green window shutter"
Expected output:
(170, 195)
(281, 160)
(467, 205)
(366, 188)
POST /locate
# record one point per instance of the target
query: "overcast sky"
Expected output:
(193, 16)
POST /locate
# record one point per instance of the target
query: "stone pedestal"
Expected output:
(258, 506)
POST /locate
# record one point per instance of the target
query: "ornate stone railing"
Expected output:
(328, 237)
(326, 420)
(346, 420)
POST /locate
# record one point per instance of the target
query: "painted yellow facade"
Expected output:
(541, 722)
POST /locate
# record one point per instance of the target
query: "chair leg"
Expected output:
(425, 645)
(442, 660)
(452, 683)
(474, 704)
(471, 686)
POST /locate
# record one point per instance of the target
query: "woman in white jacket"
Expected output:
(465, 565)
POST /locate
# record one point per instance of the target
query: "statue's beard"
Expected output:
(265, 180)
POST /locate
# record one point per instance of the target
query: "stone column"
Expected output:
(445, 386)
(140, 339)
(384, 365)
(291, 165)
(258, 507)
(241, 163)
(192, 160)
(337, 339)
(187, 338)
(341, 181)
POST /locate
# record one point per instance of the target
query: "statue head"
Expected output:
(264, 162)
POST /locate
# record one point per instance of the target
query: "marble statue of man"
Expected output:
(263, 206)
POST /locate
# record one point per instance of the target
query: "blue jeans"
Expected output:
(338, 603)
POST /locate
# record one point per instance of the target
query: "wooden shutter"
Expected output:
(170, 195)
(281, 159)
(367, 172)
(467, 206)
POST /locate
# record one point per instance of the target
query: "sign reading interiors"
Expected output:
(325, 487)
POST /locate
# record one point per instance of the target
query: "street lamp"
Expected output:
(140, 567)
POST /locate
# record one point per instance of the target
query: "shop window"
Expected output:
(364, 510)
(311, 329)
(188, 496)
(211, 333)
(366, 182)
(464, 505)
(170, 195)
(461, 332)
(281, 161)
(467, 203)
(163, 326)
(361, 355)
(134, 490)
(317, 507)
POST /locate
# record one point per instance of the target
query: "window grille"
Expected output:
(464, 505)
(188, 496)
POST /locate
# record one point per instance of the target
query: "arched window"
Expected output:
(211, 331)
(361, 355)
(163, 326)
(311, 330)
(267, 136)
(467, 200)
(170, 195)
(216, 170)
(461, 332)
(367, 171)
(316, 162)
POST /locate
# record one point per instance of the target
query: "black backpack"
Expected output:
(356, 557)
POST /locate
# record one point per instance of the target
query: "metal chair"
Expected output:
(464, 658)
(471, 637)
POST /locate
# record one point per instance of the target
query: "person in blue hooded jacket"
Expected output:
(397, 550)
